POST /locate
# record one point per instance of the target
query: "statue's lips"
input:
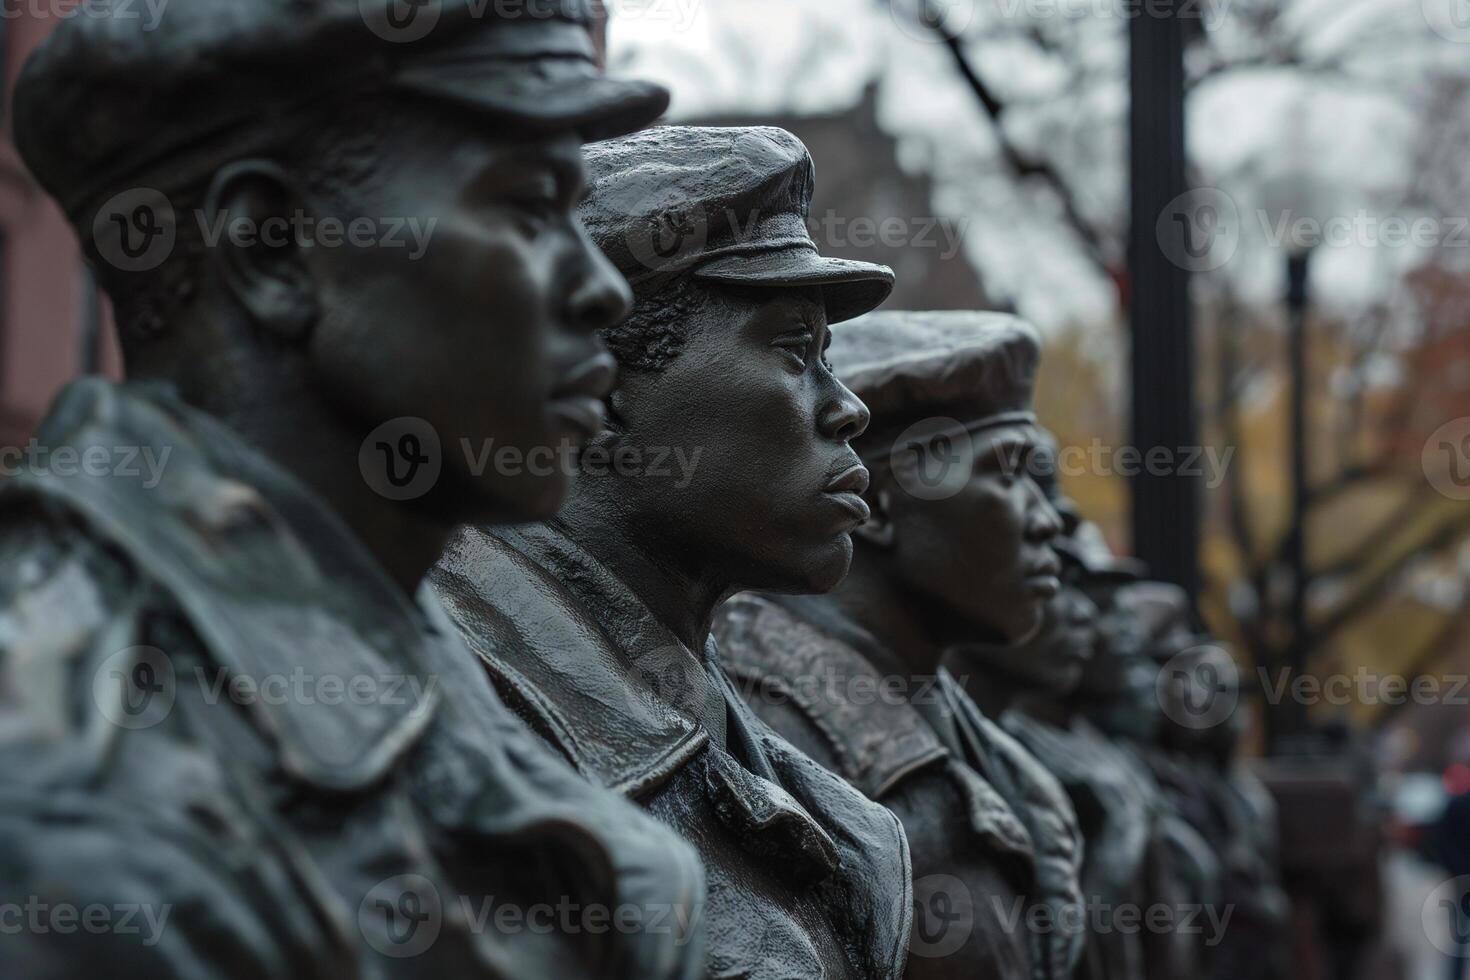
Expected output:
(1044, 578)
(586, 415)
(846, 488)
(578, 400)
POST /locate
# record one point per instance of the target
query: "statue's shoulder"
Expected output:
(793, 673)
(104, 801)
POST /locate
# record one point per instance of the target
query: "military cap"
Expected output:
(723, 205)
(111, 97)
(979, 368)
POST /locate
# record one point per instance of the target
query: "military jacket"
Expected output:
(978, 809)
(806, 877)
(234, 747)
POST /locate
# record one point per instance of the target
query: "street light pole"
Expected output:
(1298, 271)
(1166, 506)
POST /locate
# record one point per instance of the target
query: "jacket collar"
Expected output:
(572, 644)
(881, 739)
(261, 582)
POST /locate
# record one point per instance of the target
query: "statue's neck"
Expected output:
(287, 418)
(903, 624)
(683, 599)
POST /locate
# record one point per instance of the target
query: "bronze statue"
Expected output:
(957, 549)
(1193, 758)
(1141, 854)
(237, 738)
(725, 465)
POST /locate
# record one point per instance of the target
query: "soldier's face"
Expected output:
(1121, 681)
(978, 541)
(1051, 661)
(773, 489)
(466, 331)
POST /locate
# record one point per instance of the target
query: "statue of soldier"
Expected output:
(1171, 867)
(237, 737)
(1037, 689)
(1194, 760)
(957, 549)
(725, 465)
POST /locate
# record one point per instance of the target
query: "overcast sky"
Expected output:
(1354, 130)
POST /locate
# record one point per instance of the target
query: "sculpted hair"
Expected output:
(658, 328)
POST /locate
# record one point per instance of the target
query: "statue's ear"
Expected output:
(878, 531)
(249, 219)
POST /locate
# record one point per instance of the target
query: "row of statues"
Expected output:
(351, 687)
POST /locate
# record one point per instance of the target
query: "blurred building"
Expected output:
(51, 323)
(860, 186)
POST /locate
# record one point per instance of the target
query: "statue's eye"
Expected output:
(798, 346)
